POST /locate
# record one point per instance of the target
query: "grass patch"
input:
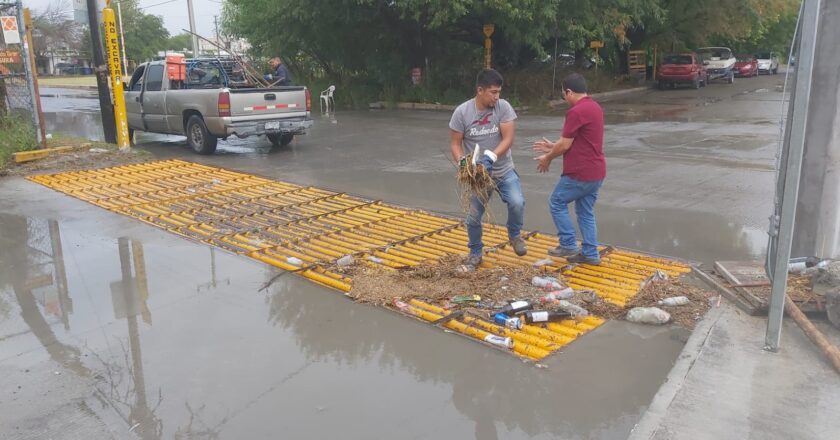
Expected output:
(73, 81)
(16, 134)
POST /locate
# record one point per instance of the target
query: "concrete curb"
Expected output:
(67, 86)
(652, 419)
(605, 96)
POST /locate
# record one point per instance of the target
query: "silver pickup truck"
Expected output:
(205, 108)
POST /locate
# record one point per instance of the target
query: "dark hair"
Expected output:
(488, 78)
(575, 82)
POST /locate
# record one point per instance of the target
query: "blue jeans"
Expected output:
(511, 193)
(584, 194)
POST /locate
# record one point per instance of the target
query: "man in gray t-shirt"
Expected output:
(488, 121)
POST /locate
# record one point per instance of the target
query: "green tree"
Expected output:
(179, 42)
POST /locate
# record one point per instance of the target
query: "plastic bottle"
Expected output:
(573, 309)
(500, 341)
(507, 321)
(532, 316)
(515, 307)
(674, 301)
(566, 293)
(547, 283)
(345, 261)
(648, 315)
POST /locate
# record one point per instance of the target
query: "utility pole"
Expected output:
(218, 40)
(192, 28)
(106, 109)
(817, 226)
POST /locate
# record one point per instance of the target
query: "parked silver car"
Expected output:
(768, 62)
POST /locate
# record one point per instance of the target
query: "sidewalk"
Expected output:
(724, 386)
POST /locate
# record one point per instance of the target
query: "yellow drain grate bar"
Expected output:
(306, 229)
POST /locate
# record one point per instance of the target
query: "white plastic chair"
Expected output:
(327, 99)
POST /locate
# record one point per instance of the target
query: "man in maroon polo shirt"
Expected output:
(584, 170)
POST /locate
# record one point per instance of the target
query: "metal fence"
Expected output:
(17, 88)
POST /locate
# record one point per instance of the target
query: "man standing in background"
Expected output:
(584, 170)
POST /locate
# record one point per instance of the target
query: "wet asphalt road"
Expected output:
(194, 350)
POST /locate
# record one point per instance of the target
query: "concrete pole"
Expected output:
(122, 39)
(192, 28)
(817, 231)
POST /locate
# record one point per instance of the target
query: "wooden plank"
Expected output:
(736, 299)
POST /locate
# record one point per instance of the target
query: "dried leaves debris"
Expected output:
(439, 282)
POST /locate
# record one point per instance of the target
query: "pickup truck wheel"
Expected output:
(199, 139)
(280, 140)
(731, 79)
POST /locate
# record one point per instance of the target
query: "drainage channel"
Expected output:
(306, 229)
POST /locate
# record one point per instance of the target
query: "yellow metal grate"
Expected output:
(306, 229)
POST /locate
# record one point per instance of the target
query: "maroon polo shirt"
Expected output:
(585, 124)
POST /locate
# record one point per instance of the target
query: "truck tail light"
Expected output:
(224, 103)
(308, 100)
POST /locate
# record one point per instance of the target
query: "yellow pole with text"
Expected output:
(112, 44)
(488, 30)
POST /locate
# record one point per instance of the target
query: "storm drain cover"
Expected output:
(306, 229)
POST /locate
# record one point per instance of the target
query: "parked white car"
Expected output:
(768, 62)
(719, 62)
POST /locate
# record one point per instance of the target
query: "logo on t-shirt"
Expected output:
(483, 131)
(483, 121)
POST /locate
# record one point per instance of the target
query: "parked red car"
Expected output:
(685, 68)
(746, 65)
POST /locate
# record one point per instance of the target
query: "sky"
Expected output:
(174, 12)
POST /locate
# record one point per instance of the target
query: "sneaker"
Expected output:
(560, 251)
(581, 259)
(472, 263)
(519, 246)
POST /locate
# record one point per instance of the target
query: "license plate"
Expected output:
(272, 125)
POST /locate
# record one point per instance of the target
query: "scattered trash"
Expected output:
(504, 279)
(500, 341)
(294, 261)
(554, 295)
(543, 262)
(57, 373)
(98, 150)
(547, 283)
(648, 315)
(674, 301)
(573, 309)
(659, 276)
(532, 317)
(515, 307)
(507, 321)
(401, 305)
(376, 260)
(461, 299)
(344, 261)
(542, 366)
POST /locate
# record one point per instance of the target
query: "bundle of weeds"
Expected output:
(474, 179)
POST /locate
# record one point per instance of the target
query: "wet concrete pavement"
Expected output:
(200, 352)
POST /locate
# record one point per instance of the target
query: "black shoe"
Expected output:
(519, 246)
(560, 251)
(580, 259)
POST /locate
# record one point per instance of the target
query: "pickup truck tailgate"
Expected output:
(267, 103)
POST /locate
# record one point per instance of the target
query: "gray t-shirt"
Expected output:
(484, 129)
